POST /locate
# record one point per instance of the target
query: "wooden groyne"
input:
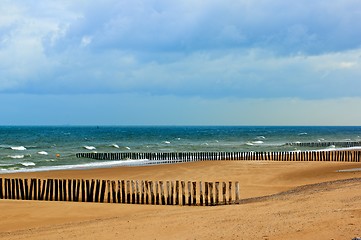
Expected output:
(191, 193)
(175, 157)
(344, 144)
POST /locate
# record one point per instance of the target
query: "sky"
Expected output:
(149, 62)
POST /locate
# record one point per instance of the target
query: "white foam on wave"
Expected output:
(16, 156)
(302, 133)
(127, 148)
(90, 147)
(115, 145)
(257, 142)
(261, 137)
(27, 164)
(19, 148)
(166, 142)
(100, 164)
(43, 153)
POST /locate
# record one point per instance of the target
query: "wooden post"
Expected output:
(142, 192)
(133, 191)
(1, 189)
(65, 197)
(42, 190)
(194, 193)
(177, 192)
(83, 191)
(114, 195)
(168, 193)
(230, 192)
(206, 194)
(172, 193)
(22, 192)
(152, 198)
(17, 188)
(224, 191)
(26, 186)
(217, 192)
(108, 191)
(13, 191)
(56, 192)
(146, 192)
(70, 197)
(200, 194)
(162, 192)
(123, 191)
(97, 190)
(102, 191)
(211, 193)
(119, 191)
(237, 191)
(189, 193)
(60, 189)
(183, 193)
(156, 193)
(88, 192)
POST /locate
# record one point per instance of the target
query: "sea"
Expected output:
(45, 148)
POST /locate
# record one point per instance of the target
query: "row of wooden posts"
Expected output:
(172, 157)
(345, 144)
(193, 193)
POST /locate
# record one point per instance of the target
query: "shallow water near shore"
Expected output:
(38, 148)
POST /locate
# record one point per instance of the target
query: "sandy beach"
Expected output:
(285, 200)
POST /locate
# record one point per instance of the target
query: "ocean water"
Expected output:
(35, 148)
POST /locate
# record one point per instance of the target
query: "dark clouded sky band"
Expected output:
(228, 53)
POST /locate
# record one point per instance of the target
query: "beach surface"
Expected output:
(281, 200)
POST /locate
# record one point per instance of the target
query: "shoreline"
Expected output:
(254, 220)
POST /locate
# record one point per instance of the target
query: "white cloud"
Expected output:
(209, 49)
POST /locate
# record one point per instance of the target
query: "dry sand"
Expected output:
(286, 200)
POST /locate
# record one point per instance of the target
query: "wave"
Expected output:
(43, 153)
(16, 156)
(260, 137)
(27, 164)
(90, 147)
(102, 164)
(19, 148)
(115, 145)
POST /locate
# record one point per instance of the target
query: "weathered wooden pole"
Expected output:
(56, 188)
(224, 192)
(133, 191)
(22, 192)
(201, 198)
(217, 192)
(237, 191)
(138, 191)
(162, 192)
(123, 191)
(17, 188)
(142, 192)
(183, 193)
(114, 191)
(177, 192)
(169, 195)
(172, 193)
(152, 198)
(194, 185)
(1, 189)
(189, 193)
(128, 191)
(102, 190)
(206, 193)
(156, 193)
(211, 193)
(230, 192)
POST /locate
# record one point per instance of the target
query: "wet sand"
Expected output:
(301, 200)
